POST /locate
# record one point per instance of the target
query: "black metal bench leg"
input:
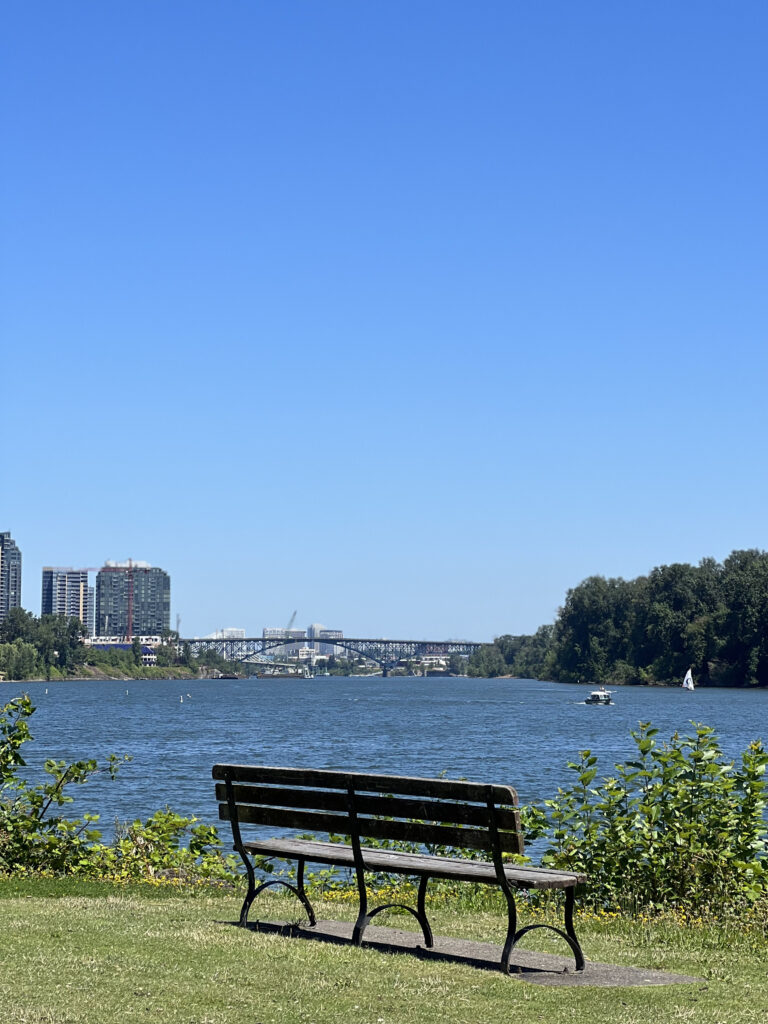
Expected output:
(365, 916)
(570, 899)
(300, 892)
(421, 907)
(509, 943)
(267, 885)
(251, 894)
(362, 915)
(569, 935)
(253, 891)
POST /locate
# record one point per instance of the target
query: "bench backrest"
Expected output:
(428, 812)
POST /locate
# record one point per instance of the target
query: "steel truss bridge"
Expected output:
(387, 653)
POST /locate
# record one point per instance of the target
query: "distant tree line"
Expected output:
(31, 647)
(712, 617)
(51, 647)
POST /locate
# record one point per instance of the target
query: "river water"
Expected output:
(515, 731)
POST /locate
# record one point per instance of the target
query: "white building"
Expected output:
(288, 649)
(318, 632)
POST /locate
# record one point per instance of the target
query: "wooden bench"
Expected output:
(431, 816)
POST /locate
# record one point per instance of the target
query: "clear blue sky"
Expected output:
(405, 315)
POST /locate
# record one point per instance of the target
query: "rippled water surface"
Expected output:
(519, 732)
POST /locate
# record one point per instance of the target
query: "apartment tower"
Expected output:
(66, 592)
(10, 575)
(132, 599)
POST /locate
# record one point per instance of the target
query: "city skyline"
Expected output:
(411, 319)
(127, 598)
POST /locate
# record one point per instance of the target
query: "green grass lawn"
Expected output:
(91, 953)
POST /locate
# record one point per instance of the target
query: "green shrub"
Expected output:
(677, 827)
(166, 847)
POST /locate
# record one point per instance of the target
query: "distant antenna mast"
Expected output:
(178, 624)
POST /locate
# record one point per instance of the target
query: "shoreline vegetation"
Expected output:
(94, 672)
(51, 649)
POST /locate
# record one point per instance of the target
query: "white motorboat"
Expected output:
(601, 696)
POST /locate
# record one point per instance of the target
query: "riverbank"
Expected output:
(140, 672)
(98, 672)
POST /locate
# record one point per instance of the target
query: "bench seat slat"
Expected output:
(383, 805)
(415, 864)
(372, 828)
(447, 789)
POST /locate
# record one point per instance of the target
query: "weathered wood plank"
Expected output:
(444, 811)
(450, 789)
(373, 828)
(416, 864)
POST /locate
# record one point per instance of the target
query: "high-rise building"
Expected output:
(10, 575)
(332, 649)
(273, 633)
(66, 592)
(132, 599)
(318, 632)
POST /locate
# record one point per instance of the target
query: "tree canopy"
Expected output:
(711, 617)
(32, 646)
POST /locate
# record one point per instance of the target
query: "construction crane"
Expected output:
(291, 621)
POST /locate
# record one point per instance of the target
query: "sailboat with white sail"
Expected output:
(688, 681)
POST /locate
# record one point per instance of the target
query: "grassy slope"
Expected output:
(103, 955)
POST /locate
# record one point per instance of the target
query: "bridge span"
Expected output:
(386, 653)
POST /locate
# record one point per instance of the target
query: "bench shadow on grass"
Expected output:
(537, 968)
(481, 956)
